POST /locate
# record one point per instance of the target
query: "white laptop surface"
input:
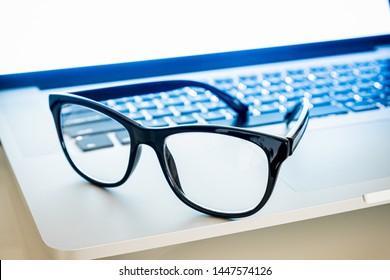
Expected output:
(341, 164)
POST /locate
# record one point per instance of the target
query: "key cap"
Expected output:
(322, 82)
(92, 128)
(155, 123)
(322, 111)
(342, 89)
(265, 119)
(189, 109)
(319, 91)
(361, 106)
(82, 117)
(186, 119)
(384, 99)
(74, 109)
(344, 97)
(212, 116)
(321, 101)
(211, 106)
(93, 142)
(121, 108)
(123, 137)
(272, 78)
(268, 98)
(159, 113)
(268, 108)
(199, 98)
(136, 116)
(145, 105)
(294, 95)
(150, 97)
(172, 102)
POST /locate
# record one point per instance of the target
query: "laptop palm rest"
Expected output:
(339, 156)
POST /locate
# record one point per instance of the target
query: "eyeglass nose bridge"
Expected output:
(147, 136)
(155, 139)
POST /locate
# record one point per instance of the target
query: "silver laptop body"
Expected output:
(342, 163)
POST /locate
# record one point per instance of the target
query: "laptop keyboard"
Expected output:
(332, 90)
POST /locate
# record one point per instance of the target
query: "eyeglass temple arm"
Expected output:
(154, 87)
(297, 131)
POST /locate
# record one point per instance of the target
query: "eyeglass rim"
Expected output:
(284, 146)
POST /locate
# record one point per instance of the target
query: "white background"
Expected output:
(47, 34)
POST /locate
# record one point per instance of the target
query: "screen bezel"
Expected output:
(170, 66)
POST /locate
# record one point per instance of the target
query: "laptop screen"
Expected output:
(44, 35)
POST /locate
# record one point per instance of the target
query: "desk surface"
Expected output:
(362, 234)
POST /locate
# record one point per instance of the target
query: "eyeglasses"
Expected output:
(223, 171)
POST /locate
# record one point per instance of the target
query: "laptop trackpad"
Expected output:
(339, 156)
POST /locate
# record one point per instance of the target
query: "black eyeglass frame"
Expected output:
(276, 148)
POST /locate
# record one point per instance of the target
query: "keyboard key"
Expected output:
(256, 90)
(369, 93)
(361, 106)
(123, 137)
(341, 67)
(172, 102)
(92, 128)
(268, 98)
(188, 109)
(155, 123)
(274, 89)
(342, 89)
(361, 64)
(122, 108)
(369, 76)
(300, 85)
(74, 109)
(344, 98)
(383, 98)
(319, 91)
(364, 85)
(176, 93)
(227, 80)
(318, 69)
(293, 95)
(265, 119)
(212, 116)
(186, 119)
(268, 108)
(136, 116)
(322, 111)
(251, 100)
(249, 81)
(145, 105)
(320, 72)
(150, 97)
(321, 101)
(82, 117)
(211, 106)
(159, 113)
(346, 78)
(199, 98)
(272, 78)
(94, 142)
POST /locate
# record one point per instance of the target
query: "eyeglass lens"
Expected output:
(218, 172)
(90, 137)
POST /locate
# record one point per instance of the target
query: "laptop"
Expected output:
(335, 53)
